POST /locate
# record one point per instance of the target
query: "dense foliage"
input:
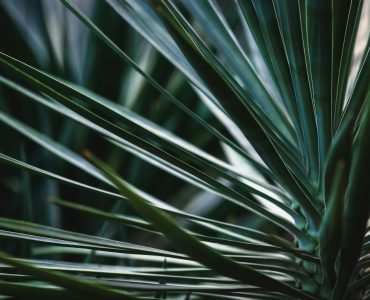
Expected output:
(184, 149)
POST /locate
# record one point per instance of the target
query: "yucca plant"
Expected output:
(231, 161)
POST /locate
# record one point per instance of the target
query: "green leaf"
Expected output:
(346, 47)
(317, 37)
(14, 162)
(358, 94)
(55, 147)
(139, 145)
(287, 14)
(142, 225)
(24, 290)
(191, 245)
(151, 80)
(268, 33)
(331, 228)
(357, 205)
(78, 285)
(238, 108)
(197, 219)
(217, 30)
(19, 229)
